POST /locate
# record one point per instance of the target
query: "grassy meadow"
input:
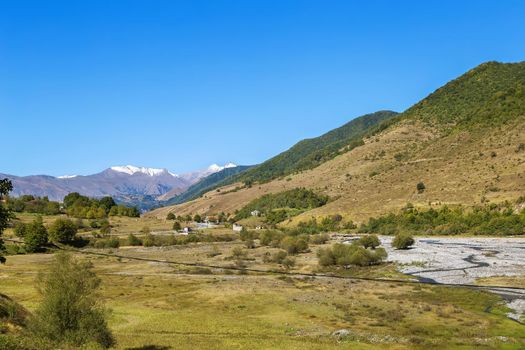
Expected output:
(161, 306)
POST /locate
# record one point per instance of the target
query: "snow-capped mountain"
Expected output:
(126, 183)
(195, 176)
(130, 170)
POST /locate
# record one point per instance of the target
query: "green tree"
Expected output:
(176, 226)
(170, 216)
(71, 313)
(62, 230)
(107, 203)
(35, 237)
(5, 187)
(420, 187)
(197, 218)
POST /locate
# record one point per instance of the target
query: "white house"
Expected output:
(237, 227)
(186, 230)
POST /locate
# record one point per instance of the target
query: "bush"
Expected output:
(62, 230)
(170, 216)
(176, 226)
(148, 241)
(321, 238)
(420, 187)
(402, 241)
(270, 238)
(370, 241)
(134, 240)
(294, 245)
(70, 314)
(350, 254)
(107, 243)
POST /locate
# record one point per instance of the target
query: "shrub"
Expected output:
(250, 244)
(62, 230)
(321, 238)
(288, 263)
(402, 241)
(70, 313)
(107, 243)
(420, 187)
(176, 225)
(350, 254)
(294, 245)
(270, 238)
(238, 253)
(149, 240)
(134, 240)
(170, 216)
(369, 241)
(279, 257)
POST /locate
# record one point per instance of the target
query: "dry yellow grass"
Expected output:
(369, 180)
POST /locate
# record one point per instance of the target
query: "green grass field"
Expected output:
(160, 306)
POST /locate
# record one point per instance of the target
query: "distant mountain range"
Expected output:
(127, 184)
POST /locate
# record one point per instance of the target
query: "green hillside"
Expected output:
(488, 95)
(207, 184)
(309, 153)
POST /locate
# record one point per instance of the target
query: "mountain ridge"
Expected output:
(465, 142)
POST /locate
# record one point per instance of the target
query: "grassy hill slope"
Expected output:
(309, 153)
(207, 184)
(465, 142)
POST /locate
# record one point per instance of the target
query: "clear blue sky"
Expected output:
(181, 84)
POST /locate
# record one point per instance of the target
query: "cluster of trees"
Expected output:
(363, 252)
(32, 204)
(80, 206)
(36, 236)
(290, 242)
(490, 220)
(327, 224)
(280, 206)
(5, 187)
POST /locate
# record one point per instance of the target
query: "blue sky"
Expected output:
(181, 84)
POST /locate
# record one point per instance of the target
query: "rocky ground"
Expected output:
(463, 260)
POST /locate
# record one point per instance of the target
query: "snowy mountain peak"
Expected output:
(216, 168)
(66, 176)
(130, 170)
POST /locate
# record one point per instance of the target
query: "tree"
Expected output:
(5, 187)
(170, 216)
(197, 218)
(176, 226)
(35, 237)
(70, 314)
(403, 241)
(107, 203)
(420, 187)
(62, 230)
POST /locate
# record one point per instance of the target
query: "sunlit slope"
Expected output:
(465, 142)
